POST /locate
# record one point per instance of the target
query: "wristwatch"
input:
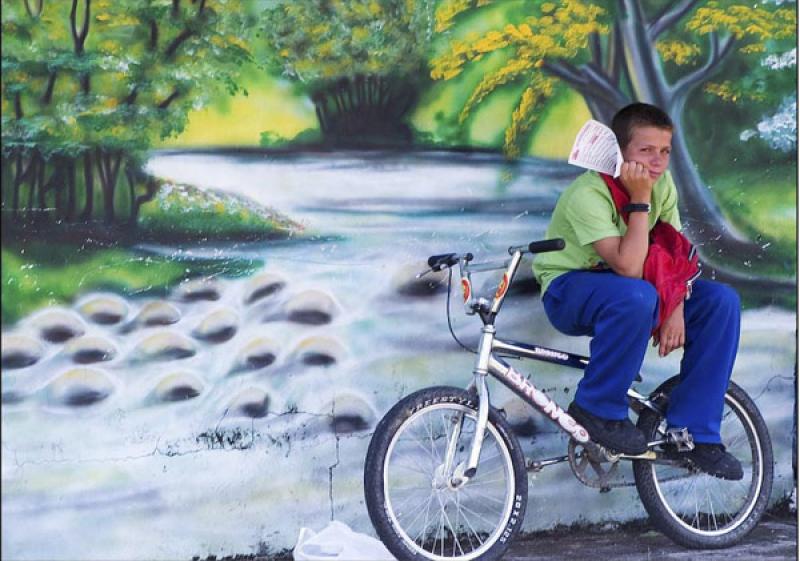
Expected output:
(636, 207)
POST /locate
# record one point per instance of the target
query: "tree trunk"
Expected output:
(70, 210)
(365, 108)
(88, 179)
(703, 219)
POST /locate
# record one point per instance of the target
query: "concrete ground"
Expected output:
(774, 539)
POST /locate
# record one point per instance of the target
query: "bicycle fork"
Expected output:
(463, 472)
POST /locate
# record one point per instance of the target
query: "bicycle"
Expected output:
(445, 477)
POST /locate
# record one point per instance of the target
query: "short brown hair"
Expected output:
(638, 115)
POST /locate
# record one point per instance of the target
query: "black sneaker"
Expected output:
(618, 436)
(711, 459)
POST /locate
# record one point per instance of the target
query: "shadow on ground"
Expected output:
(774, 539)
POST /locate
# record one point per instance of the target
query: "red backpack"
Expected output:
(671, 264)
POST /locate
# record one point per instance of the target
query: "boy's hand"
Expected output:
(672, 333)
(636, 179)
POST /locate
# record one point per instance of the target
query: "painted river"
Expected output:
(221, 419)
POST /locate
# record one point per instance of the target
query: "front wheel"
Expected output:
(698, 510)
(415, 506)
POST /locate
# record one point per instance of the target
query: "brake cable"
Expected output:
(449, 321)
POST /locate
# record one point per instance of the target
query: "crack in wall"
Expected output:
(234, 440)
(332, 467)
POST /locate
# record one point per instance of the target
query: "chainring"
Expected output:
(593, 465)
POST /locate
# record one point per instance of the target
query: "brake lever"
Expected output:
(436, 269)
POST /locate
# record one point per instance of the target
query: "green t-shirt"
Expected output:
(585, 213)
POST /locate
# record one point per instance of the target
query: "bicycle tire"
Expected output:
(483, 529)
(697, 510)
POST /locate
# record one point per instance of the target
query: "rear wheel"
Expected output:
(698, 510)
(416, 509)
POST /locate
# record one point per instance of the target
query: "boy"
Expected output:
(594, 287)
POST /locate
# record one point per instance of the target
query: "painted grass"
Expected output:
(185, 212)
(36, 275)
(763, 205)
(40, 273)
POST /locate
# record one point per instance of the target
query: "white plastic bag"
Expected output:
(338, 542)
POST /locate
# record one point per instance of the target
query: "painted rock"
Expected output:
(520, 417)
(158, 313)
(312, 307)
(198, 289)
(57, 326)
(216, 327)
(319, 351)
(405, 281)
(258, 353)
(262, 286)
(164, 345)
(19, 351)
(250, 402)
(79, 387)
(348, 413)
(87, 349)
(104, 309)
(178, 386)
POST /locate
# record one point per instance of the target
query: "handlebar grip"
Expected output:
(543, 246)
(437, 262)
(444, 258)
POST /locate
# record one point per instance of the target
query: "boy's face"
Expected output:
(650, 146)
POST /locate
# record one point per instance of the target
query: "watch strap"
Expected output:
(636, 207)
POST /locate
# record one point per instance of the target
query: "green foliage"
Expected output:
(315, 42)
(763, 204)
(578, 43)
(104, 79)
(185, 212)
(38, 275)
(362, 61)
(142, 60)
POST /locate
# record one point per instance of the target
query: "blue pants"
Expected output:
(619, 313)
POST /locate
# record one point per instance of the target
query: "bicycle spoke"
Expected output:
(489, 524)
(421, 535)
(429, 515)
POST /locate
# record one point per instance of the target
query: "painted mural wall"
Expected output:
(213, 213)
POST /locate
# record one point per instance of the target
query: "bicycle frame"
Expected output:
(488, 362)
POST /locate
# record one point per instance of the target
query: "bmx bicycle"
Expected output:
(445, 477)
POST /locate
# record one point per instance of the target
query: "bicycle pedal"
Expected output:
(681, 438)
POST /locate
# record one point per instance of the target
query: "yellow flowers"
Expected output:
(448, 11)
(678, 52)
(727, 91)
(513, 70)
(755, 23)
(561, 31)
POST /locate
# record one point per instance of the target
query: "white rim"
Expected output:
(754, 487)
(508, 503)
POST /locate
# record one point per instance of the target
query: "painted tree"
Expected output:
(88, 85)
(618, 54)
(360, 60)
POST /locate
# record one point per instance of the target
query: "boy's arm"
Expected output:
(626, 254)
(669, 210)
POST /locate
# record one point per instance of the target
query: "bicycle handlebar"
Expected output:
(556, 244)
(443, 260)
(438, 262)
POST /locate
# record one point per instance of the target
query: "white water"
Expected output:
(127, 479)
